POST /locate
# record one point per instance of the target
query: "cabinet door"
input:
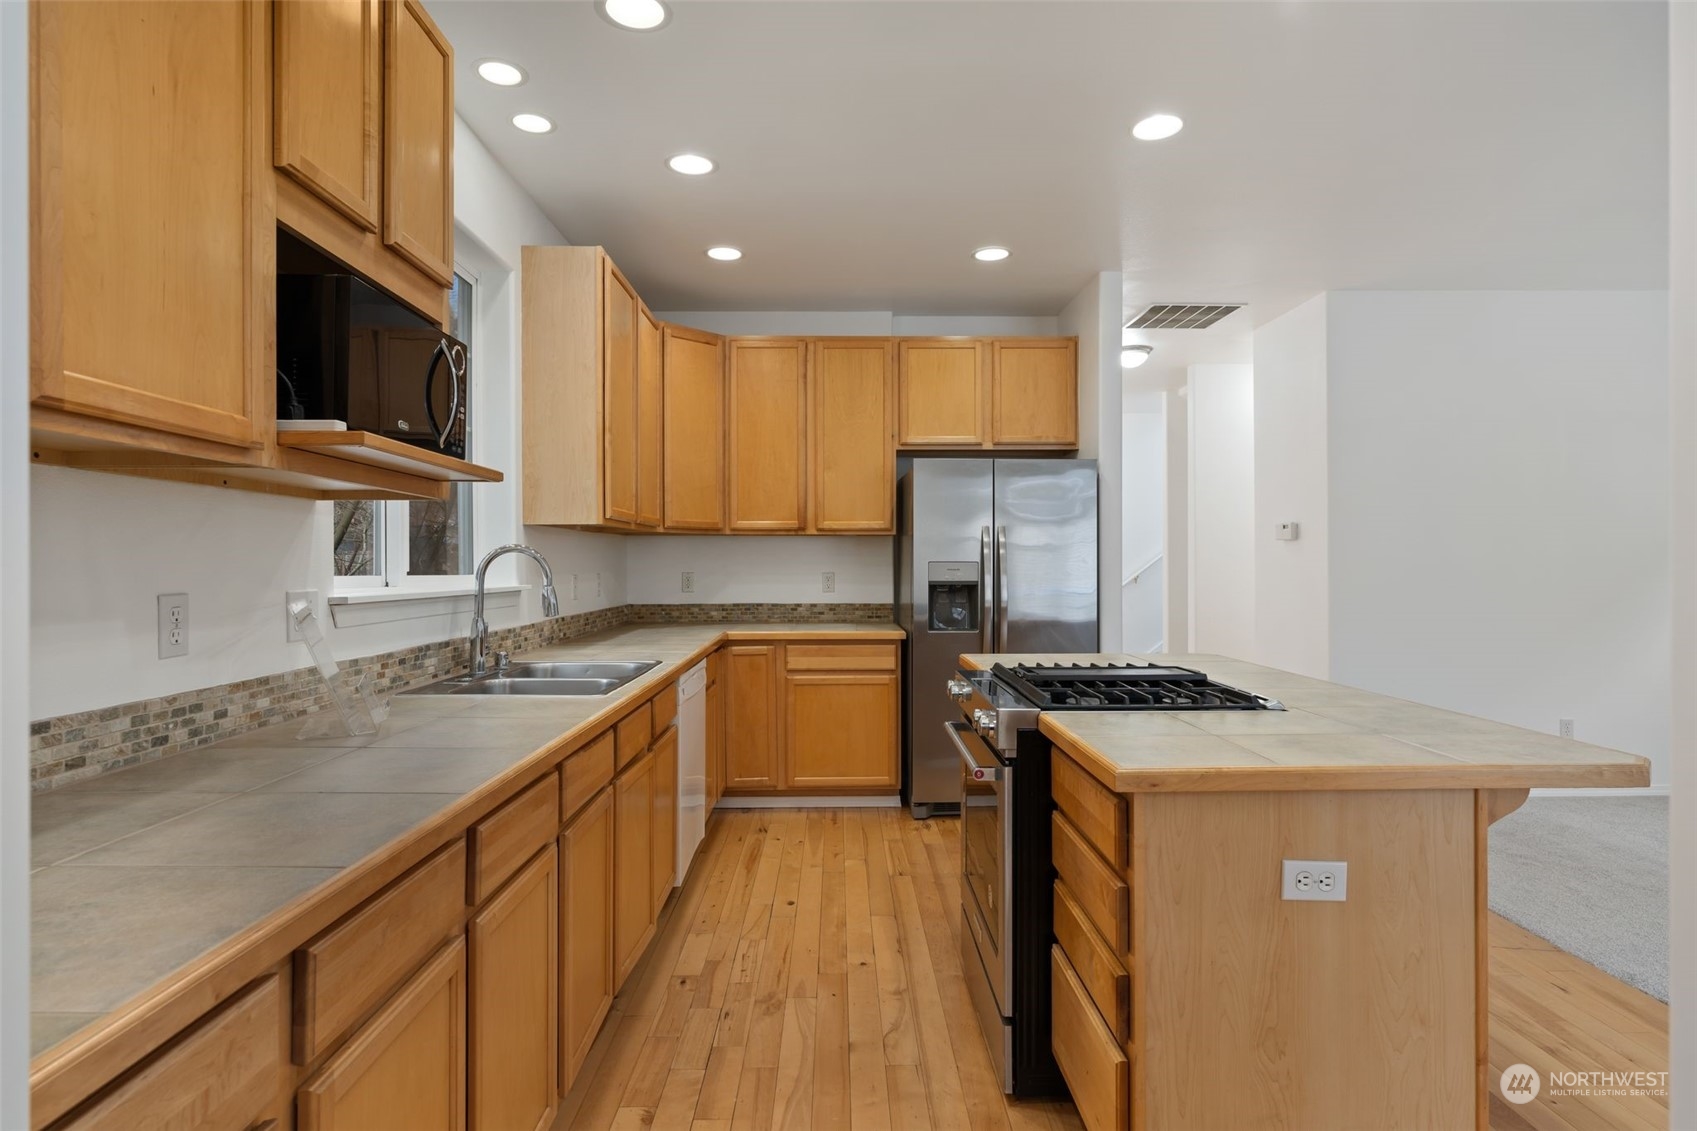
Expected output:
(633, 845)
(515, 1001)
(586, 939)
(768, 421)
(694, 471)
(649, 426)
(663, 863)
(619, 315)
(841, 731)
(418, 141)
(715, 729)
(852, 444)
(153, 216)
(941, 390)
(1034, 393)
(751, 717)
(328, 100)
(406, 1067)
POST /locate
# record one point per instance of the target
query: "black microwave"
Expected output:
(347, 351)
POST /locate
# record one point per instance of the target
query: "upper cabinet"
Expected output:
(767, 434)
(1018, 393)
(650, 424)
(328, 110)
(418, 140)
(852, 473)
(942, 392)
(693, 403)
(1034, 393)
(619, 315)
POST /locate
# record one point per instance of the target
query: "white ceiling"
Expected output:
(865, 149)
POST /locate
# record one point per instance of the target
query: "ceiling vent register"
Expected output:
(1181, 316)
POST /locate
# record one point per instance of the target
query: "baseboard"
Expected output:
(883, 801)
(1645, 791)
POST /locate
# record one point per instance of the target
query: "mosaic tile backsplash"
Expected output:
(80, 745)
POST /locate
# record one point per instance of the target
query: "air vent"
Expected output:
(1181, 316)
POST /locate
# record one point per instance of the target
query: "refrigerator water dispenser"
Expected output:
(953, 596)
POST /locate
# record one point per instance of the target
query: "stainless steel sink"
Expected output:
(559, 679)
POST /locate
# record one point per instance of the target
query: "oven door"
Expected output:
(986, 828)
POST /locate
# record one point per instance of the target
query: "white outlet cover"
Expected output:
(689, 581)
(173, 625)
(828, 582)
(1318, 881)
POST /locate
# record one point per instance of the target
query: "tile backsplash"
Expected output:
(76, 746)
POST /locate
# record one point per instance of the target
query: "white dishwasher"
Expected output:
(692, 765)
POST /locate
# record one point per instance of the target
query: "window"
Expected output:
(389, 544)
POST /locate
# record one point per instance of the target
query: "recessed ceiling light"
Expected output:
(637, 15)
(499, 73)
(1133, 356)
(723, 254)
(1157, 126)
(691, 164)
(991, 254)
(533, 123)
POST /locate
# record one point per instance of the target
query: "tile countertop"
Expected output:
(139, 872)
(1329, 737)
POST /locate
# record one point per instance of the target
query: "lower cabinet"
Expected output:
(633, 847)
(841, 730)
(663, 855)
(586, 931)
(515, 1002)
(751, 717)
(406, 1067)
(715, 727)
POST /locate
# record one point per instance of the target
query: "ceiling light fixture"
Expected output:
(1133, 356)
(500, 73)
(691, 164)
(533, 123)
(637, 15)
(1157, 126)
(991, 254)
(723, 254)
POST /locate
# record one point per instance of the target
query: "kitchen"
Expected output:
(713, 457)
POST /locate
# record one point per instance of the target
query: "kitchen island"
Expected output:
(1189, 992)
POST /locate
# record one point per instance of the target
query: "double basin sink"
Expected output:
(597, 677)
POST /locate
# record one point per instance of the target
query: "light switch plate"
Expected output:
(1319, 881)
(173, 625)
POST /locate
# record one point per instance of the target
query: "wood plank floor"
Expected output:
(807, 976)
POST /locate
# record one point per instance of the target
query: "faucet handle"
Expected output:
(502, 659)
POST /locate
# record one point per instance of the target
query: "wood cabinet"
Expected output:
(586, 931)
(663, 857)
(941, 386)
(418, 140)
(152, 221)
(693, 378)
(649, 420)
(406, 1067)
(851, 442)
(715, 727)
(327, 103)
(515, 1002)
(767, 414)
(751, 717)
(841, 730)
(633, 847)
(619, 316)
(1034, 393)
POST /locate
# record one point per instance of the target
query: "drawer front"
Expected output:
(585, 773)
(512, 834)
(665, 705)
(1098, 968)
(1095, 1066)
(226, 1072)
(635, 731)
(1099, 813)
(344, 973)
(1099, 891)
(840, 657)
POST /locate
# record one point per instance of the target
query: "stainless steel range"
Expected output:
(1007, 883)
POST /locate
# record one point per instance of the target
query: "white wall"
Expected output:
(1291, 587)
(1143, 533)
(752, 568)
(1499, 506)
(1175, 627)
(1094, 316)
(1222, 509)
(15, 660)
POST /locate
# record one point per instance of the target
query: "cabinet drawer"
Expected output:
(1098, 968)
(512, 834)
(585, 773)
(634, 731)
(840, 657)
(344, 973)
(1094, 1064)
(665, 704)
(225, 1072)
(1099, 891)
(1096, 811)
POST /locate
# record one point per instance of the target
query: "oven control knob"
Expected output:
(959, 688)
(984, 720)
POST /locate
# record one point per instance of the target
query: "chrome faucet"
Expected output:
(480, 627)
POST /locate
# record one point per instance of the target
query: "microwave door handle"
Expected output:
(986, 615)
(442, 353)
(978, 772)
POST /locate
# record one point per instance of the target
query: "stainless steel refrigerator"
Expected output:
(993, 555)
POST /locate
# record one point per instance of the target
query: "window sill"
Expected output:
(354, 608)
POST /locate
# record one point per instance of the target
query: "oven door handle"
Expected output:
(978, 772)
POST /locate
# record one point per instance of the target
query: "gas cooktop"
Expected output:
(1126, 687)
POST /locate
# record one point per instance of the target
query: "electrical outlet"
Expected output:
(574, 588)
(689, 582)
(310, 596)
(1564, 727)
(1323, 881)
(173, 625)
(598, 586)
(828, 582)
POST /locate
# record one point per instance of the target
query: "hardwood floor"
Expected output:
(807, 975)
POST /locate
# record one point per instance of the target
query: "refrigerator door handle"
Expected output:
(1001, 587)
(985, 633)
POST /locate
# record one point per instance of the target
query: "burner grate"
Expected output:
(1135, 687)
